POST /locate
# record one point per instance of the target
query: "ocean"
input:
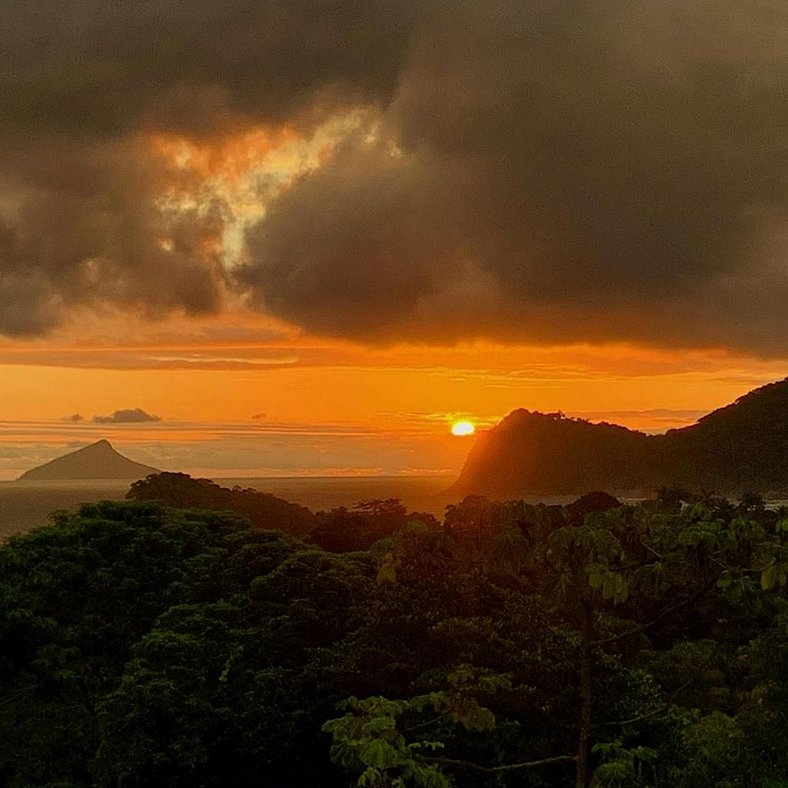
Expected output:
(24, 505)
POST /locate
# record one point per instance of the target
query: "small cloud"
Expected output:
(73, 417)
(259, 416)
(128, 416)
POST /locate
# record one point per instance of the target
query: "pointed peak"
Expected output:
(102, 446)
(99, 460)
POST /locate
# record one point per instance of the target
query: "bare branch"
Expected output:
(14, 695)
(423, 724)
(645, 716)
(634, 719)
(504, 768)
(666, 612)
(651, 550)
(679, 689)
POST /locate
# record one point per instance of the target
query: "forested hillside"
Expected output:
(740, 448)
(262, 509)
(511, 645)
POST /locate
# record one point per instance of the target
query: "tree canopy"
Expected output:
(512, 645)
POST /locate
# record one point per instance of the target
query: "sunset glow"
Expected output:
(319, 252)
(394, 393)
(462, 428)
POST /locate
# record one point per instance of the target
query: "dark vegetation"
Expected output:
(739, 448)
(181, 491)
(511, 645)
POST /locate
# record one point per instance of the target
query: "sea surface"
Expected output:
(24, 505)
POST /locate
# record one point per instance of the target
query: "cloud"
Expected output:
(544, 171)
(192, 67)
(86, 231)
(562, 172)
(75, 417)
(128, 416)
(92, 215)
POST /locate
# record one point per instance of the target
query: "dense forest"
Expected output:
(145, 644)
(734, 450)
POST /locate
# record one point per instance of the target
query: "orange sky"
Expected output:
(237, 391)
(303, 382)
(238, 403)
(231, 366)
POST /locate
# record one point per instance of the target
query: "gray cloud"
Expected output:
(82, 83)
(127, 416)
(86, 232)
(94, 68)
(568, 171)
(540, 170)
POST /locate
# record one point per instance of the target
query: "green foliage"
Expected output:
(344, 531)
(715, 745)
(622, 767)
(367, 740)
(262, 509)
(371, 737)
(141, 645)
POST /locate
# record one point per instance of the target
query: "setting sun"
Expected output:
(461, 428)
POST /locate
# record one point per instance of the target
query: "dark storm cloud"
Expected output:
(81, 83)
(85, 230)
(566, 171)
(547, 170)
(103, 67)
(127, 416)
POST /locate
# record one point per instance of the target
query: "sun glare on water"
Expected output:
(461, 428)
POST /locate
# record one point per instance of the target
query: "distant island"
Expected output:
(97, 461)
(740, 448)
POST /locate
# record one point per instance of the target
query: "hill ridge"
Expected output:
(740, 447)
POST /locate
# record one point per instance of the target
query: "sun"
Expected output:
(461, 428)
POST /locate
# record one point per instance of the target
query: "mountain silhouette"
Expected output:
(742, 447)
(97, 461)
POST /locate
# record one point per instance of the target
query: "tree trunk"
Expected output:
(584, 734)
